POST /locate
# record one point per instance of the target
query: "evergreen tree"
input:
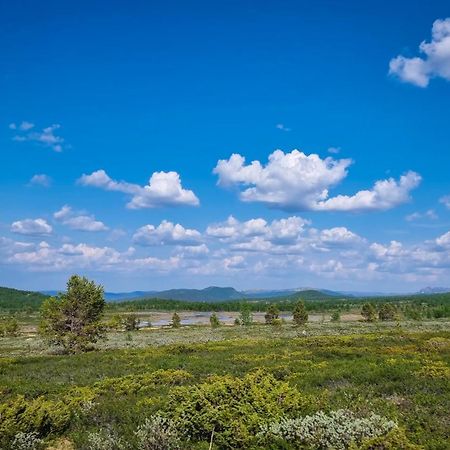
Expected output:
(299, 313)
(72, 319)
(368, 311)
(271, 314)
(176, 321)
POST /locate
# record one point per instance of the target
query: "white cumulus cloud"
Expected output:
(31, 227)
(435, 61)
(296, 181)
(79, 222)
(167, 233)
(163, 189)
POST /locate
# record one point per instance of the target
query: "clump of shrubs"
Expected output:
(158, 433)
(338, 430)
(233, 408)
(9, 327)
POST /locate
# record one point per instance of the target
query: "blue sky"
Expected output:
(124, 91)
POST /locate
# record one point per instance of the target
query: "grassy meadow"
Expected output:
(219, 387)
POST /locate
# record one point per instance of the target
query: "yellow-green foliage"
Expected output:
(142, 382)
(435, 369)
(38, 414)
(233, 407)
(395, 440)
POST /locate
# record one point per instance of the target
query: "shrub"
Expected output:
(337, 430)
(368, 312)
(336, 316)
(176, 320)
(387, 311)
(37, 415)
(72, 320)
(214, 320)
(26, 441)
(115, 323)
(9, 327)
(158, 433)
(394, 440)
(105, 440)
(245, 316)
(299, 314)
(232, 407)
(272, 313)
(130, 322)
(277, 322)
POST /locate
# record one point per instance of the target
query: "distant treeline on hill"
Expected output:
(13, 300)
(439, 301)
(16, 300)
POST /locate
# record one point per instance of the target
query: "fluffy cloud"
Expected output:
(296, 181)
(79, 222)
(46, 137)
(32, 227)
(163, 189)
(278, 231)
(434, 63)
(40, 180)
(385, 194)
(166, 233)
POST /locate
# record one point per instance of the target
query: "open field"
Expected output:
(398, 370)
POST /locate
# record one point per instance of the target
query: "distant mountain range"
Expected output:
(215, 293)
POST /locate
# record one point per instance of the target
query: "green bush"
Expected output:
(272, 313)
(387, 311)
(130, 322)
(234, 408)
(176, 320)
(300, 314)
(37, 415)
(214, 320)
(9, 326)
(336, 316)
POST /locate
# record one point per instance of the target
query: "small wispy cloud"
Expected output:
(430, 214)
(47, 137)
(282, 127)
(40, 180)
(445, 201)
(334, 150)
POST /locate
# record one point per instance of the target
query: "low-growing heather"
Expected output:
(337, 430)
(158, 433)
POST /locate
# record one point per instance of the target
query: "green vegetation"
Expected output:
(214, 320)
(176, 320)
(300, 314)
(360, 376)
(72, 320)
(261, 388)
(272, 314)
(369, 312)
(14, 301)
